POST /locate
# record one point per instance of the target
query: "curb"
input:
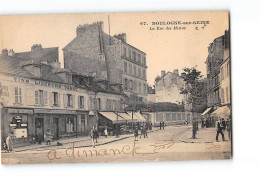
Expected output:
(108, 142)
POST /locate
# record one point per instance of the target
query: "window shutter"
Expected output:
(59, 101)
(73, 101)
(45, 98)
(79, 102)
(51, 99)
(37, 97)
(65, 102)
(84, 103)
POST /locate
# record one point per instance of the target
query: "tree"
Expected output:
(195, 89)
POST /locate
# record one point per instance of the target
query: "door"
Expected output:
(82, 130)
(39, 129)
(56, 128)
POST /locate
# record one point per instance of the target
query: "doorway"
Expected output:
(56, 128)
(39, 130)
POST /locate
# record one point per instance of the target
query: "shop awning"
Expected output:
(223, 112)
(140, 117)
(125, 116)
(206, 111)
(112, 116)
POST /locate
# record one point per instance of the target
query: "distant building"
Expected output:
(168, 88)
(111, 58)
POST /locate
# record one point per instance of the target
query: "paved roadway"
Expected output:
(161, 145)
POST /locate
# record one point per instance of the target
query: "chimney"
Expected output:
(82, 29)
(36, 47)
(55, 65)
(176, 71)
(11, 52)
(121, 37)
(162, 73)
(4, 52)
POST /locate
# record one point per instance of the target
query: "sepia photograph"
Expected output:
(115, 87)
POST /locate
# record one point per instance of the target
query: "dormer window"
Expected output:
(68, 78)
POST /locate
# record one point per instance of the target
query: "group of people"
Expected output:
(143, 132)
(223, 125)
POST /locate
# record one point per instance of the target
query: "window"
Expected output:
(69, 125)
(168, 117)
(222, 73)
(144, 61)
(135, 86)
(130, 69)
(125, 67)
(69, 100)
(126, 84)
(134, 56)
(109, 104)
(55, 98)
(140, 87)
(99, 103)
(144, 74)
(135, 70)
(81, 102)
(227, 94)
(41, 97)
(130, 54)
(139, 72)
(139, 58)
(69, 78)
(37, 71)
(124, 52)
(18, 95)
(130, 84)
(144, 88)
(159, 117)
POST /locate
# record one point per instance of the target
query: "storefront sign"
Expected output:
(20, 111)
(45, 83)
(46, 111)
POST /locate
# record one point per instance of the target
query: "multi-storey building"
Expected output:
(108, 58)
(214, 59)
(38, 96)
(225, 83)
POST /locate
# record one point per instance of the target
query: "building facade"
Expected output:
(106, 57)
(38, 96)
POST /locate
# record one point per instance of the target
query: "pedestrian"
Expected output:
(94, 136)
(136, 133)
(141, 131)
(229, 128)
(145, 131)
(160, 125)
(105, 131)
(194, 130)
(220, 130)
(9, 142)
(163, 124)
(223, 124)
(48, 137)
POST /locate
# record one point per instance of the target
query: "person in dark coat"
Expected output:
(136, 133)
(194, 129)
(160, 125)
(220, 130)
(163, 124)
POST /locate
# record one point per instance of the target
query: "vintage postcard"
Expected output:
(115, 87)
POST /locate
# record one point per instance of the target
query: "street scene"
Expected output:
(86, 88)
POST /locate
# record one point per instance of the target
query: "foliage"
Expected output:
(158, 78)
(195, 89)
(165, 106)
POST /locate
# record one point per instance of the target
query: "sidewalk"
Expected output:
(78, 142)
(204, 135)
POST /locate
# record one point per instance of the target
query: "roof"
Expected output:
(13, 65)
(50, 54)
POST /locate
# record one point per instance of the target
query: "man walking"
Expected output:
(94, 135)
(220, 130)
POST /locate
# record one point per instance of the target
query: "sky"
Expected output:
(166, 49)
